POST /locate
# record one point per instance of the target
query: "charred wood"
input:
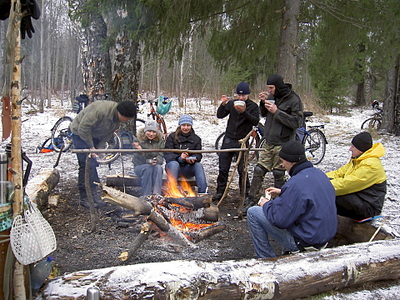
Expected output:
(207, 232)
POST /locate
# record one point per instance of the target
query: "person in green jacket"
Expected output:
(360, 185)
(148, 165)
(91, 129)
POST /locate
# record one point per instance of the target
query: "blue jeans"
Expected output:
(261, 229)
(187, 171)
(151, 178)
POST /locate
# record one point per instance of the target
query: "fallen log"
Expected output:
(39, 187)
(288, 277)
(192, 202)
(137, 242)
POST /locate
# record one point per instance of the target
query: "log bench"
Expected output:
(129, 180)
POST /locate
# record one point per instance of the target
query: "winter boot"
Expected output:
(249, 202)
(257, 181)
(279, 178)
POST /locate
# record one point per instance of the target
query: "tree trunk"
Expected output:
(393, 96)
(126, 68)
(286, 60)
(288, 277)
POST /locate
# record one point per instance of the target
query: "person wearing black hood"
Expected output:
(284, 114)
(243, 115)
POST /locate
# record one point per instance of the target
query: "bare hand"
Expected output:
(272, 108)
(224, 99)
(275, 192)
(263, 95)
(184, 155)
(136, 145)
(240, 109)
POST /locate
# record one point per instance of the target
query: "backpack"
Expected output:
(127, 139)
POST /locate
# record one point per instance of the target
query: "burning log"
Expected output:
(288, 277)
(192, 202)
(207, 232)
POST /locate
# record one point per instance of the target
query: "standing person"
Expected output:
(148, 165)
(284, 114)
(91, 129)
(243, 115)
(303, 214)
(360, 184)
(185, 164)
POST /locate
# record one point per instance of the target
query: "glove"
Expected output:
(29, 8)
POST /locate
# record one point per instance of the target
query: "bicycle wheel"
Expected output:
(113, 143)
(138, 125)
(61, 136)
(371, 123)
(255, 142)
(314, 143)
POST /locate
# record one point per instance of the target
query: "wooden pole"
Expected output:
(14, 59)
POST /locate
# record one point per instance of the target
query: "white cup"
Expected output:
(239, 103)
(271, 101)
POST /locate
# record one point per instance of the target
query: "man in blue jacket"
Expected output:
(303, 214)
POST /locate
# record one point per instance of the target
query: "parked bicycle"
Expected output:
(313, 139)
(61, 136)
(374, 122)
(158, 108)
(254, 142)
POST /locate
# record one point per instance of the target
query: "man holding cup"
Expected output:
(283, 110)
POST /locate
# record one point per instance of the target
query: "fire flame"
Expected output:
(188, 226)
(173, 190)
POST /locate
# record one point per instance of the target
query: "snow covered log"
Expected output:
(287, 277)
(39, 187)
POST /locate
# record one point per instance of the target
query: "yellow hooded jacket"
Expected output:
(359, 173)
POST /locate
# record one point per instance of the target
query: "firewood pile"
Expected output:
(187, 220)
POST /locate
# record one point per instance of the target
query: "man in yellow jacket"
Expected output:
(360, 184)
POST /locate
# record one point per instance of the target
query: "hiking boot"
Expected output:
(249, 202)
(217, 197)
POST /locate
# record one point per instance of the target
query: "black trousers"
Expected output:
(225, 160)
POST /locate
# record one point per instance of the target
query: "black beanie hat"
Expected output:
(293, 151)
(362, 141)
(243, 89)
(276, 80)
(127, 108)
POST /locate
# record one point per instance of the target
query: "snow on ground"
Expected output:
(339, 130)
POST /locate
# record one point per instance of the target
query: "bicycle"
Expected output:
(254, 142)
(158, 108)
(374, 122)
(313, 139)
(61, 136)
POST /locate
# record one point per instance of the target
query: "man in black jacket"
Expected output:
(243, 115)
(284, 114)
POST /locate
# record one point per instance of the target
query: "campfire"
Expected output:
(182, 214)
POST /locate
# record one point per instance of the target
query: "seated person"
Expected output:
(303, 214)
(185, 164)
(360, 184)
(148, 165)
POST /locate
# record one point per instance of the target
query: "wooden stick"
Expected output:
(138, 241)
(164, 150)
(242, 142)
(93, 213)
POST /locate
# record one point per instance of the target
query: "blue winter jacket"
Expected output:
(306, 206)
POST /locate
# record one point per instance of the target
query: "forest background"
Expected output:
(335, 53)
